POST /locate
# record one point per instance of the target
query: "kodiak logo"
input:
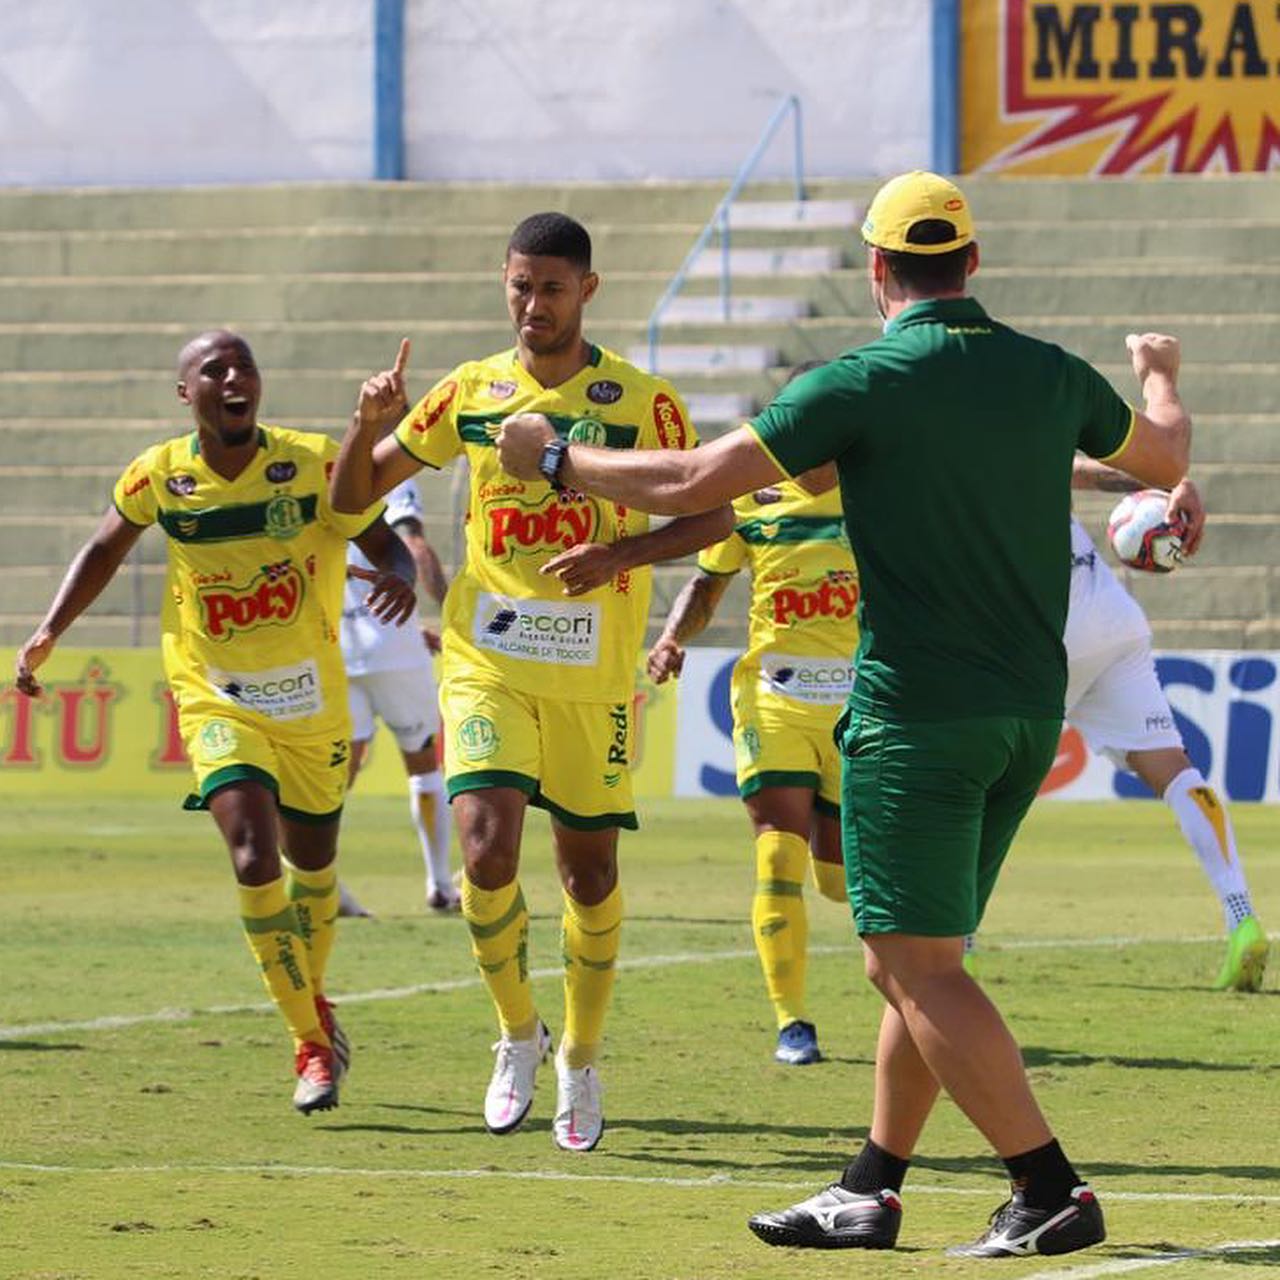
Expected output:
(669, 422)
(271, 599)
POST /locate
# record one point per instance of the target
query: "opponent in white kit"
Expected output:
(390, 678)
(1115, 700)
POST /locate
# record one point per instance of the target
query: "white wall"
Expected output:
(173, 91)
(662, 88)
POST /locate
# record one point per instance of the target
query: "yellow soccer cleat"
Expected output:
(1247, 949)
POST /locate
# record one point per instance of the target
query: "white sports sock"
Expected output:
(1207, 827)
(435, 842)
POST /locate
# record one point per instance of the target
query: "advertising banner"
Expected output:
(106, 724)
(1060, 87)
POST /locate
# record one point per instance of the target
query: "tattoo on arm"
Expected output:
(695, 606)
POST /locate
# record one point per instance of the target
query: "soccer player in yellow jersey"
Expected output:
(257, 561)
(787, 693)
(542, 628)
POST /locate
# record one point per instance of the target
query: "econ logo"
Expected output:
(669, 421)
(1063, 87)
(272, 598)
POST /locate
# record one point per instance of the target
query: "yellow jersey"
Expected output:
(256, 566)
(501, 616)
(802, 626)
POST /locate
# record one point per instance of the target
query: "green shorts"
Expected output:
(928, 812)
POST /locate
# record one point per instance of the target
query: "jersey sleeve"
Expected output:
(813, 419)
(1106, 419)
(668, 425)
(404, 503)
(430, 431)
(725, 558)
(347, 524)
(134, 494)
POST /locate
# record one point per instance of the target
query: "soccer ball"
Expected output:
(1140, 535)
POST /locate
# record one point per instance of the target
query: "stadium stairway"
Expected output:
(98, 290)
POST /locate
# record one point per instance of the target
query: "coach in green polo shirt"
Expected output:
(954, 437)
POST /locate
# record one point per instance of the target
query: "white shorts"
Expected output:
(405, 701)
(1115, 700)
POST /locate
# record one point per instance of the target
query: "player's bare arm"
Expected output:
(88, 574)
(431, 576)
(591, 564)
(1185, 502)
(1089, 473)
(690, 615)
(665, 482)
(392, 598)
(1158, 451)
(371, 463)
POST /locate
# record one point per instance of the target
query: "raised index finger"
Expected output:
(402, 357)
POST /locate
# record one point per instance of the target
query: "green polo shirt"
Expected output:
(954, 437)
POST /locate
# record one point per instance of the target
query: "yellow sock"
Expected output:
(276, 940)
(499, 924)
(314, 895)
(589, 937)
(829, 877)
(779, 922)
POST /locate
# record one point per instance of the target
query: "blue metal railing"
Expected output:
(719, 220)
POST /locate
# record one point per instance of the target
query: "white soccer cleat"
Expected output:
(510, 1093)
(579, 1118)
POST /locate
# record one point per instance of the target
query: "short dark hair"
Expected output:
(552, 235)
(930, 272)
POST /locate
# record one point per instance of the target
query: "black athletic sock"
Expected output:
(873, 1169)
(1043, 1175)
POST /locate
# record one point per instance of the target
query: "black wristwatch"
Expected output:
(552, 461)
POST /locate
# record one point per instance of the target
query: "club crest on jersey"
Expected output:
(283, 517)
(563, 522)
(476, 738)
(669, 422)
(217, 740)
(606, 391)
(281, 472)
(272, 598)
(501, 389)
(434, 407)
(588, 431)
(181, 485)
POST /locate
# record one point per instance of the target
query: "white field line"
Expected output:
(712, 1182)
(1119, 1266)
(120, 1021)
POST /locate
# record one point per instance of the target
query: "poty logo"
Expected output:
(558, 526)
(271, 599)
(669, 422)
(135, 483)
(836, 600)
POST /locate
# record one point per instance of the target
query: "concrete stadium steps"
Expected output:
(203, 300)
(381, 248)
(327, 397)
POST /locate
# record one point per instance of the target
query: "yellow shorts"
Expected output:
(779, 742)
(308, 776)
(571, 758)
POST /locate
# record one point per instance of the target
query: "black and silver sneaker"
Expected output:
(1017, 1230)
(835, 1218)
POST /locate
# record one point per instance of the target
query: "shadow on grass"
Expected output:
(40, 1046)
(1261, 1254)
(1041, 1056)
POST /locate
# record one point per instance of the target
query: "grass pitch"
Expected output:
(146, 1131)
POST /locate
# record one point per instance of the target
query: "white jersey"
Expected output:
(1102, 614)
(367, 644)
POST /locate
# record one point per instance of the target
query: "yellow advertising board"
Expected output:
(1061, 87)
(106, 724)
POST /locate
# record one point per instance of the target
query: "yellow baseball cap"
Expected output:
(909, 199)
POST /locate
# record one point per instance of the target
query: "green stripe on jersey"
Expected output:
(792, 529)
(474, 428)
(280, 516)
